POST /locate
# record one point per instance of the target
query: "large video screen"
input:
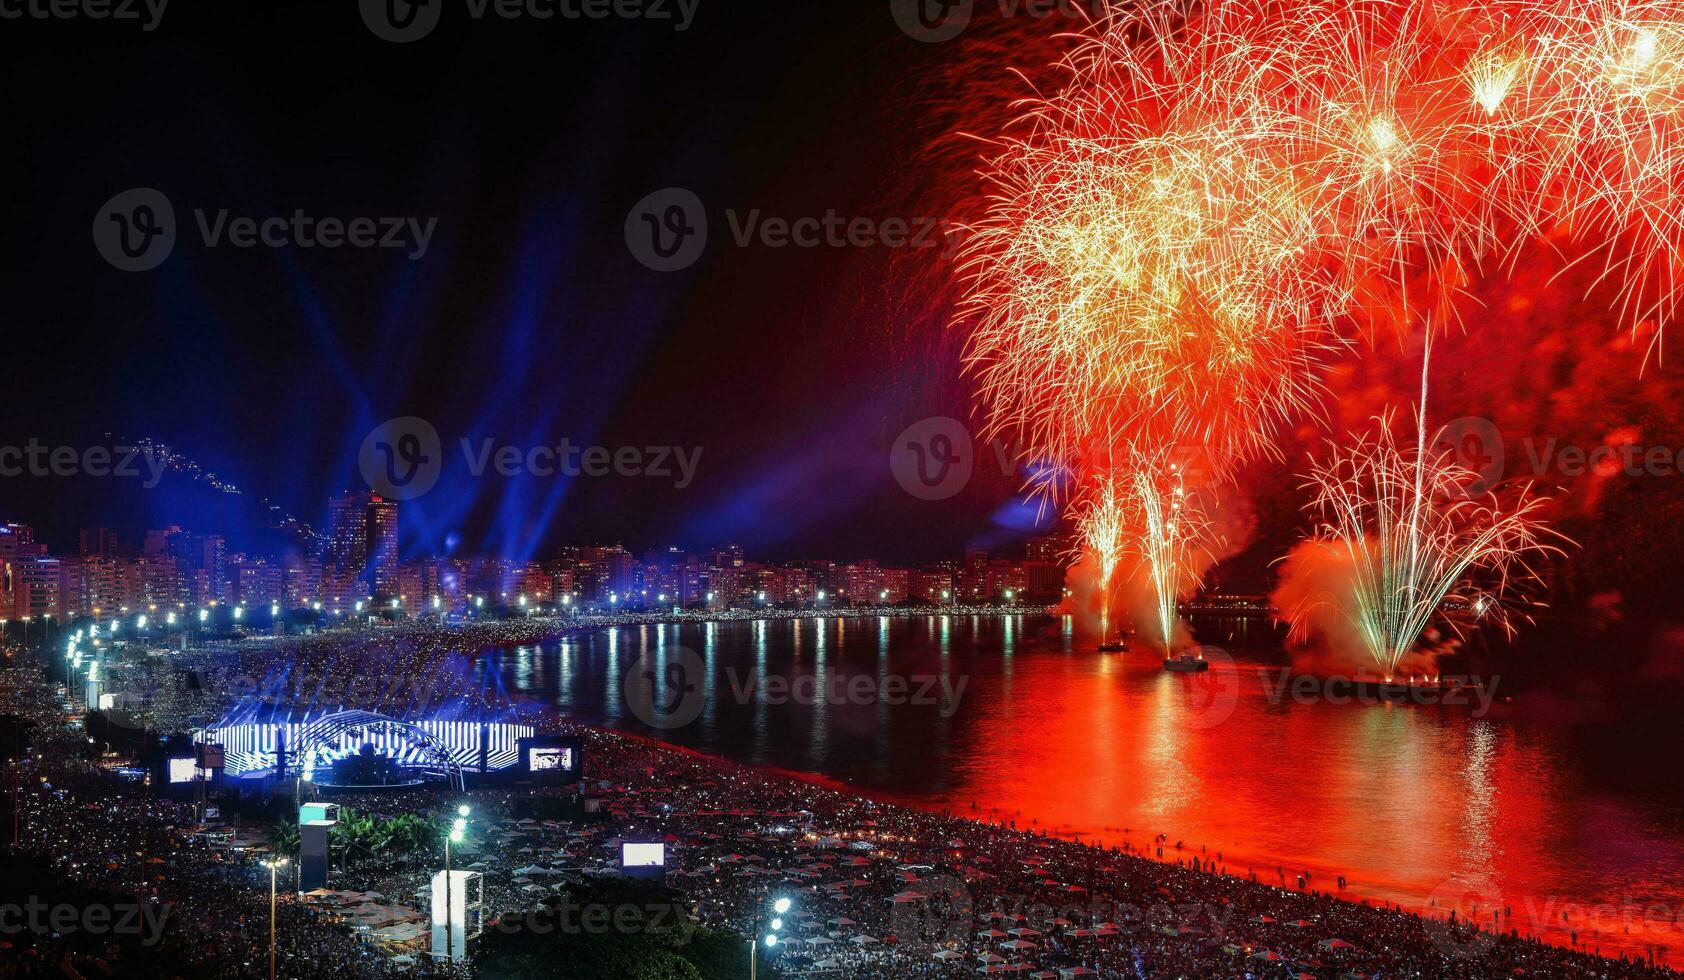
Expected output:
(184, 770)
(643, 855)
(546, 759)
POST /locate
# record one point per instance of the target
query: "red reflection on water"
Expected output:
(1420, 807)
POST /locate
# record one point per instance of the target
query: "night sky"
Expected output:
(527, 321)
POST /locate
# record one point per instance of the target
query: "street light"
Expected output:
(781, 906)
(458, 829)
(274, 867)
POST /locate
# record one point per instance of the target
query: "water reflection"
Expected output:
(1046, 732)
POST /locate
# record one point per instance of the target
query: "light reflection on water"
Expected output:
(1047, 732)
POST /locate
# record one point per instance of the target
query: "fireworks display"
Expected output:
(1172, 534)
(1408, 546)
(1219, 197)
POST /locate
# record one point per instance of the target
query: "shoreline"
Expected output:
(466, 641)
(1110, 841)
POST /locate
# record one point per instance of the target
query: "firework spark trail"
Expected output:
(1146, 513)
(1416, 544)
(1174, 533)
(1100, 527)
(1177, 237)
(1219, 196)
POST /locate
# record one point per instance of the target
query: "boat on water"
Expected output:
(1114, 646)
(1186, 663)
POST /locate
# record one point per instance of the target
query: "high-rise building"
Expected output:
(98, 542)
(37, 580)
(363, 540)
(258, 583)
(91, 585)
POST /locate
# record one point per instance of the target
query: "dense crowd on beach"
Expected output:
(875, 890)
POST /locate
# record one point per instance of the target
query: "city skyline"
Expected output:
(358, 569)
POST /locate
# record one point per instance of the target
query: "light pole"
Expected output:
(780, 907)
(274, 867)
(457, 830)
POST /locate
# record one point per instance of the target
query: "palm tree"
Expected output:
(283, 836)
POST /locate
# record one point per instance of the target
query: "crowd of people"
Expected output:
(874, 890)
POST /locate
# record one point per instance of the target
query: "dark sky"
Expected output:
(527, 321)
